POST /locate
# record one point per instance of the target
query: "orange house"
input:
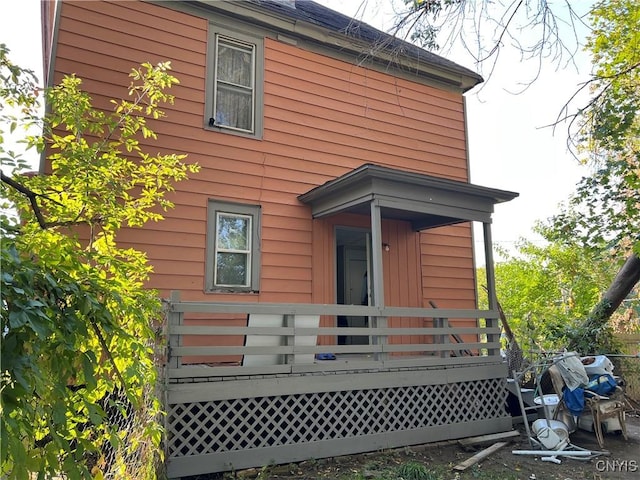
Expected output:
(322, 260)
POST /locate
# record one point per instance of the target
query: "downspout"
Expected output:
(49, 48)
(474, 256)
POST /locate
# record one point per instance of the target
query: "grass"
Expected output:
(416, 471)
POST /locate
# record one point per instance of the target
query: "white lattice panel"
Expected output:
(252, 423)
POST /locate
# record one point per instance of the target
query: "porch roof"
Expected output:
(424, 200)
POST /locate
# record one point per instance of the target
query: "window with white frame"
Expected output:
(235, 85)
(233, 258)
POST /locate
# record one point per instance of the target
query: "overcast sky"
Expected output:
(508, 148)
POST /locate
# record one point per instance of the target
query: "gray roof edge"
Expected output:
(370, 171)
(300, 21)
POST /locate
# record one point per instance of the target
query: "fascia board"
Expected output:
(334, 40)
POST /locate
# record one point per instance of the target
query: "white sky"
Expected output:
(507, 147)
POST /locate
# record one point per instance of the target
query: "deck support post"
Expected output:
(173, 361)
(174, 319)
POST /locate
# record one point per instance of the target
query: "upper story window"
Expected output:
(235, 84)
(233, 245)
(234, 101)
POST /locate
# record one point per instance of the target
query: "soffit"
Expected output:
(424, 200)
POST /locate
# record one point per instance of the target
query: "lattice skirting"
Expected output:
(242, 432)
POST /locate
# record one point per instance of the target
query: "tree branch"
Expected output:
(108, 353)
(30, 194)
(33, 196)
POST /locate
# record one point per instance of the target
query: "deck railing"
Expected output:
(283, 338)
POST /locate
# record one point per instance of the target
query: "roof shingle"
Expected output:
(314, 13)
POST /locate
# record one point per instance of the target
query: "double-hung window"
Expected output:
(235, 84)
(233, 257)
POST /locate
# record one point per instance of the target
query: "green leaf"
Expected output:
(88, 365)
(18, 318)
(39, 324)
(59, 413)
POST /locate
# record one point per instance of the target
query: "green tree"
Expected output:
(606, 131)
(78, 330)
(546, 292)
(606, 206)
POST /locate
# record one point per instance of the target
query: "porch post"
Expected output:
(377, 276)
(376, 251)
(491, 283)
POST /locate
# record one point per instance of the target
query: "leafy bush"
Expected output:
(77, 321)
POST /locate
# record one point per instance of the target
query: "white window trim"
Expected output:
(215, 208)
(242, 38)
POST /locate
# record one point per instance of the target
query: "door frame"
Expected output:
(341, 271)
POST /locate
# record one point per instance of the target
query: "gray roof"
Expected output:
(314, 13)
(424, 200)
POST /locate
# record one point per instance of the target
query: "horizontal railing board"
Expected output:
(275, 308)
(436, 347)
(281, 349)
(241, 371)
(414, 362)
(215, 330)
(438, 312)
(308, 331)
(444, 362)
(328, 309)
(299, 349)
(230, 350)
(202, 371)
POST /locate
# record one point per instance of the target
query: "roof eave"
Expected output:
(461, 78)
(371, 171)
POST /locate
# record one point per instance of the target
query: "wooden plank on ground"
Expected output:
(465, 442)
(479, 456)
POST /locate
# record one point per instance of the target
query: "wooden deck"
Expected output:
(227, 411)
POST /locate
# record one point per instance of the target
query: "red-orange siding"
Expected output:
(322, 118)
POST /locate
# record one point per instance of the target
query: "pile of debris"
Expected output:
(584, 394)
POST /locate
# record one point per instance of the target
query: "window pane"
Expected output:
(231, 269)
(234, 108)
(233, 247)
(233, 232)
(235, 64)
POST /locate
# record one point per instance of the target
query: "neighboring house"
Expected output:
(334, 172)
